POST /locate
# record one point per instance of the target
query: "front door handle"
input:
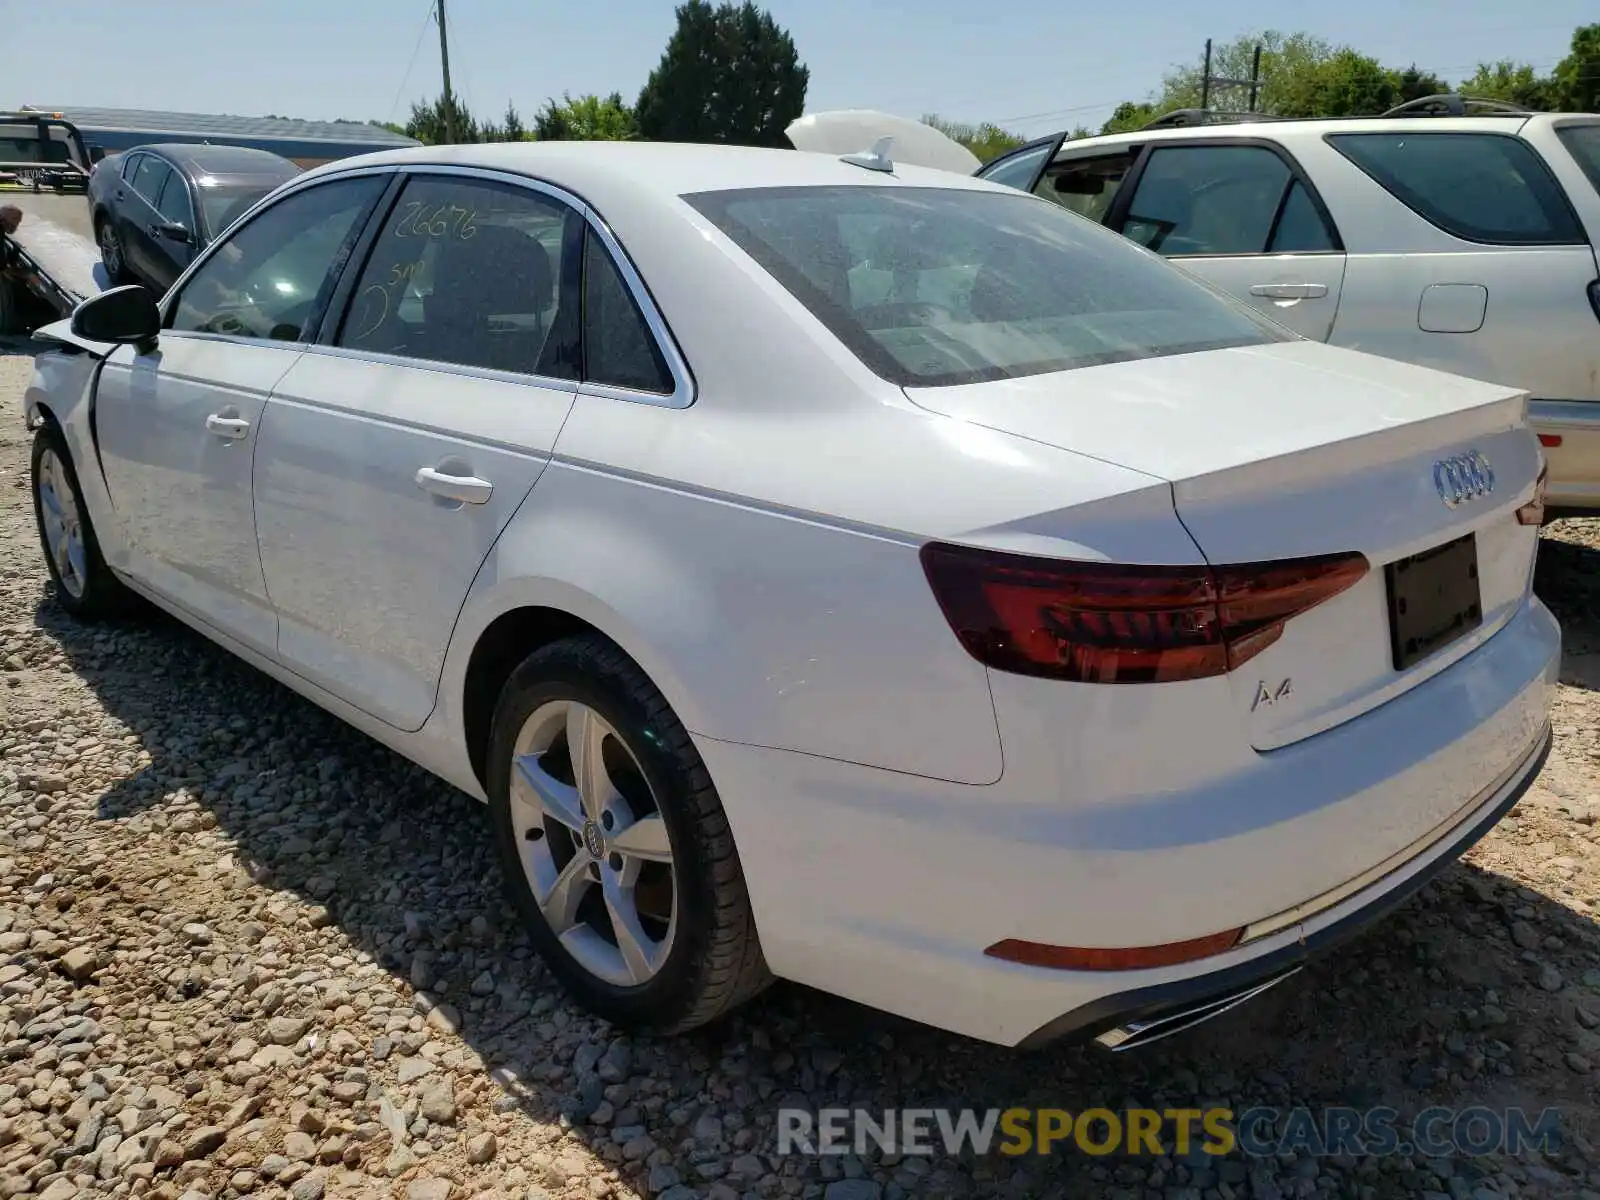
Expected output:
(1290, 291)
(232, 428)
(468, 489)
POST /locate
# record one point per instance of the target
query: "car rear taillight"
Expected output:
(1110, 623)
(1532, 513)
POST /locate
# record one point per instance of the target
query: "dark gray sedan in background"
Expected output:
(155, 207)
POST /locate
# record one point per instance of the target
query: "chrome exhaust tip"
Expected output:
(1136, 1034)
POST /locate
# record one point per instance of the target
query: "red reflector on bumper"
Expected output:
(1549, 439)
(1126, 958)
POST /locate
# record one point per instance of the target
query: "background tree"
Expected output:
(1414, 84)
(729, 74)
(1577, 76)
(1511, 82)
(585, 119)
(1345, 84)
(986, 141)
(427, 123)
(1128, 116)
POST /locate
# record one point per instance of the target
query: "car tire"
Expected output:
(85, 586)
(691, 953)
(112, 255)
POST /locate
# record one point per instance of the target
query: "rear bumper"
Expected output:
(1125, 1020)
(886, 888)
(1574, 484)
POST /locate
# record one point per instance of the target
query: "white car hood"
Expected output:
(852, 131)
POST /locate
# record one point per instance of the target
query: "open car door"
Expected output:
(851, 131)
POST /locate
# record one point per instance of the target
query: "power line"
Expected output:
(427, 19)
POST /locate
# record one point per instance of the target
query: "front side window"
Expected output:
(270, 278)
(1222, 200)
(1480, 187)
(469, 272)
(174, 203)
(1086, 186)
(1018, 170)
(937, 286)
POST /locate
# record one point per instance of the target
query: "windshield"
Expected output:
(222, 206)
(937, 286)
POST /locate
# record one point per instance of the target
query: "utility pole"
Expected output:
(1208, 81)
(444, 61)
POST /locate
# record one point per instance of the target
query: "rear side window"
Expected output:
(618, 348)
(1481, 187)
(941, 286)
(1583, 143)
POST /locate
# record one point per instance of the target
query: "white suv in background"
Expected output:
(1459, 241)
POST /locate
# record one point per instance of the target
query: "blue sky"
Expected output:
(1033, 65)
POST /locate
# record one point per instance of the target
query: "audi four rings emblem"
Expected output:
(1463, 477)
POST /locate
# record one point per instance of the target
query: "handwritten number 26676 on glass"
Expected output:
(448, 220)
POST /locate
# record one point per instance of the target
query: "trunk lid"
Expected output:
(1294, 450)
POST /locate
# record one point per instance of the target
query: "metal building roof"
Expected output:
(217, 125)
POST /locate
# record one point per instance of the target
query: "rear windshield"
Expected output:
(936, 286)
(1583, 143)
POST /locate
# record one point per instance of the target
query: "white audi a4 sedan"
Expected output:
(828, 570)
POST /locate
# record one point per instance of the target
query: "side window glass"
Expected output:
(1207, 200)
(468, 272)
(1300, 228)
(1018, 170)
(130, 166)
(618, 347)
(1085, 186)
(174, 203)
(1482, 187)
(269, 279)
(150, 177)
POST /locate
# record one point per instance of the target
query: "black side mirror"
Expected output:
(96, 153)
(124, 315)
(175, 231)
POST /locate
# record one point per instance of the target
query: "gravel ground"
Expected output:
(245, 951)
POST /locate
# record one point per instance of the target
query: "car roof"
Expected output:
(1296, 129)
(234, 161)
(602, 172)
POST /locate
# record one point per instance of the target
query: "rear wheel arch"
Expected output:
(502, 646)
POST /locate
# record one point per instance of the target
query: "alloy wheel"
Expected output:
(593, 845)
(63, 523)
(110, 250)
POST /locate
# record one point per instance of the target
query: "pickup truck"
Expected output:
(48, 261)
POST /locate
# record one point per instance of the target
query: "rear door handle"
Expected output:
(1290, 291)
(468, 489)
(232, 428)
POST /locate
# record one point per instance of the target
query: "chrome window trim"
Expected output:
(296, 185)
(683, 383)
(684, 389)
(547, 382)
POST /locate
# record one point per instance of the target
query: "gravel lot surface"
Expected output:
(245, 951)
